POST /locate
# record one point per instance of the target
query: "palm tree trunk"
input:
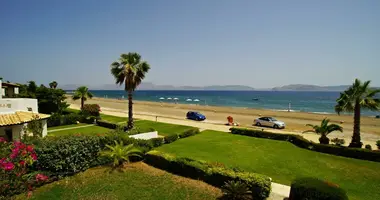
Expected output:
(130, 111)
(355, 142)
(81, 103)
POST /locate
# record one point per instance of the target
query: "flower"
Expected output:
(41, 177)
(14, 153)
(8, 166)
(22, 162)
(3, 140)
(29, 148)
(34, 156)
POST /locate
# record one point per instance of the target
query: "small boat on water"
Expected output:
(255, 99)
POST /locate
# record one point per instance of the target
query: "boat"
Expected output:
(255, 99)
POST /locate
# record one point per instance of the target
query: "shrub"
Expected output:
(338, 142)
(57, 119)
(156, 142)
(91, 110)
(236, 190)
(378, 144)
(14, 161)
(260, 185)
(120, 153)
(170, 138)
(367, 146)
(188, 133)
(69, 154)
(312, 188)
(301, 142)
(106, 124)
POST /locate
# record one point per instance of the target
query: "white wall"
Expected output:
(44, 125)
(145, 136)
(18, 104)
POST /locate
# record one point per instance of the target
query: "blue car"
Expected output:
(195, 116)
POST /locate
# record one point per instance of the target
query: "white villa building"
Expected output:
(15, 113)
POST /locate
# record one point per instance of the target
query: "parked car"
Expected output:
(195, 116)
(269, 122)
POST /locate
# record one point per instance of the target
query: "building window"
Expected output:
(29, 109)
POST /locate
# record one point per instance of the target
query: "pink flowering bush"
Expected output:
(15, 157)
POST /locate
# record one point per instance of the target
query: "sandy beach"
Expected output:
(217, 117)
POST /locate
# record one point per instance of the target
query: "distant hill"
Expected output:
(151, 86)
(301, 87)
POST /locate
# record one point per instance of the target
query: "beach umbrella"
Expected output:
(162, 98)
(188, 99)
(176, 98)
(196, 99)
(169, 98)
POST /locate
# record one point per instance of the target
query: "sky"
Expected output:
(261, 44)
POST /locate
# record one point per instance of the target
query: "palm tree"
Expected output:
(120, 153)
(356, 97)
(130, 70)
(83, 94)
(53, 85)
(324, 129)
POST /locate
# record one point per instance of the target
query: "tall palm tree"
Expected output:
(356, 97)
(83, 94)
(130, 70)
(53, 85)
(324, 129)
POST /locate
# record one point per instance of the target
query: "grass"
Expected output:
(90, 130)
(163, 129)
(113, 119)
(138, 181)
(66, 126)
(281, 160)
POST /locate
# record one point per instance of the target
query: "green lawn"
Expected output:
(66, 126)
(281, 160)
(91, 130)
(163, 129)
(113, 119)
(138, 181)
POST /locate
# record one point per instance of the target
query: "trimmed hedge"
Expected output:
(68, 155)
(260, 185)
(358, 153)
(188, 133)
(171, 138)
(312, 188)
(106, 124)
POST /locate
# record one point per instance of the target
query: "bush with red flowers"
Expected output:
(91, 110)
(15, 157)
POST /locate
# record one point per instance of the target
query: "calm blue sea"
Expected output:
(316, 102)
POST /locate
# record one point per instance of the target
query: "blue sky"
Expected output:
(199, 42)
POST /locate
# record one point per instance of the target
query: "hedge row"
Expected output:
(71, 154)
(312, 188)
(260, 185)
(300, 141)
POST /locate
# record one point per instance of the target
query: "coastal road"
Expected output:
(219, 126)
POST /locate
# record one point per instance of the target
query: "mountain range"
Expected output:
(151, 86)
(302, 87)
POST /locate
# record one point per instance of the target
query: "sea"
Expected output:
(293, 101)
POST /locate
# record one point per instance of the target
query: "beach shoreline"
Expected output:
(295, 121)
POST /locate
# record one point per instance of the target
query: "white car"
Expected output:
(269, 122)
